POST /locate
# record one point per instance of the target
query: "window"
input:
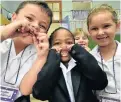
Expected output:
(56, 7)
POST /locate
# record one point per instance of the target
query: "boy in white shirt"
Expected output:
(24, 47)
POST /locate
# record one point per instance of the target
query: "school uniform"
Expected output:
(75, 84)
(113, 89)
(10, 71)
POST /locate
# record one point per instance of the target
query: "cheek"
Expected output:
(86, 41)
(92, 34)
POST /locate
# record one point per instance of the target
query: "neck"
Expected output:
(108, 51)
(19, 45)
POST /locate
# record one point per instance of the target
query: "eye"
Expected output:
(56, 43)
(106, 26)
(42, 26)
(77, 38)
(29, 18)
(94, 29)
(69, 42)
(84, 38)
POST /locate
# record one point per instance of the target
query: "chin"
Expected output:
(103, 44)
(65, 59)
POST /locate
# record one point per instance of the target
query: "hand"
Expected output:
(57, 48)
(87, 48)
(42, 44)
(16, 28)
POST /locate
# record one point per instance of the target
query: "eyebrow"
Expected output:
(31, 15)
(41, 21)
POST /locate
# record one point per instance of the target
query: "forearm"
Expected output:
(47, 78)
(8, 31)
(2, 33)
(30, 78)
(89, 67)
(5, 32)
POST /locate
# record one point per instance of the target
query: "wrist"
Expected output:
(39, 63)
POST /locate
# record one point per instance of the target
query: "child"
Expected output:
(102, 25)
(20, 65)
(81, 38)
(66, 77)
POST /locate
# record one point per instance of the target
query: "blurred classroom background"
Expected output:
(71, 14)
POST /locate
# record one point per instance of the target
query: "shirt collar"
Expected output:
(71, 65)
(95, 52)
(29, 50)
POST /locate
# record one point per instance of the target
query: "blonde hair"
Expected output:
(80, 31)
(103, 7)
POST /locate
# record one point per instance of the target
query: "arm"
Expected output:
(11, 30)
(31, 76)
(47, 77)
(96, 77)
(42, 46)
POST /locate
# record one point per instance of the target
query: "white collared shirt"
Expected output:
(108, 68)
(67, 76)
(27, 60)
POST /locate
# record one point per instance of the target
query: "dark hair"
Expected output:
(42, 5)
(54, 32)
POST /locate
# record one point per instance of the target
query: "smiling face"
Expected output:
(102, 28)
(81, 39)
(37, 17)
(63, 39)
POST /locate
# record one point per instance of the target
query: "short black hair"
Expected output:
(53, 34)
(42, 5)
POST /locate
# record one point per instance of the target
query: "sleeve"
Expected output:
(4, 46)
(47, 77)
(89, 67)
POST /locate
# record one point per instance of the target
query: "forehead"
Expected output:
(33, 9)
(79, 34)
(63, 34)
(101, 17)
(37, 11)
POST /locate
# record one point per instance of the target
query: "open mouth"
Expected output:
(64, 53)
(82, 44)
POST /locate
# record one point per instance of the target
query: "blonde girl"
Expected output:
(81, 38)
(102, 25)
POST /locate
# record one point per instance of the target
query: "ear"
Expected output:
(14, 16)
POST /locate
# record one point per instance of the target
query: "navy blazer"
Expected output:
(86, 77)
(23, 99)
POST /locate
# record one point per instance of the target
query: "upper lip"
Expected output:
(102, 37)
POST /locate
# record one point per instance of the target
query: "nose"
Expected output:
(35, 25)
(100, 32)
(81, 40)
(63, 46)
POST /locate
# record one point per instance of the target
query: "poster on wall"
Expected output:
(65, 23)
